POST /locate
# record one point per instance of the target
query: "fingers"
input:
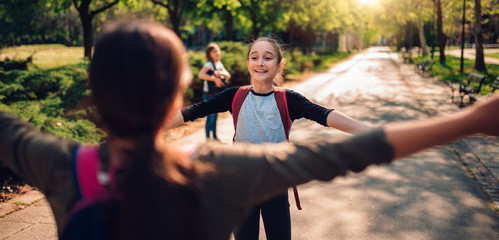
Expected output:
(219, 82)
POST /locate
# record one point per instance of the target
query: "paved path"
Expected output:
(470, 54)
(431, 195)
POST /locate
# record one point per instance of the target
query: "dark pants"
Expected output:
(211, 122)
(276, 220)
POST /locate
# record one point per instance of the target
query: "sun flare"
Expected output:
(368, 2)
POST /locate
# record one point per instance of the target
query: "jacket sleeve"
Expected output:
(248, 174)
(41, 159)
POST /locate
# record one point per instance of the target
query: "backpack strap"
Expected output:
(282, 105)
(85, 166)
(214, 66)
(237, 102)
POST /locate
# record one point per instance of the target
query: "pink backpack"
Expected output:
(95, 193)
(85, 220)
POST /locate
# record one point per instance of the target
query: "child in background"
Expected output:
(215, 77)
(137, 76)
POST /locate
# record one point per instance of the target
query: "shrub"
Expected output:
(15, 64)
(47, 116)
(69, 83)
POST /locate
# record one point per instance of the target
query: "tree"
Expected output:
(262, 13)
(213, 10)
(17, 28)
(177, 10)
(419, 24)
(87, 15)
(440, 33)
(328, 18)
(479, 58)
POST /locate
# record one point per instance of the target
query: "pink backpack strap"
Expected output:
(85, 170)
(237, 102)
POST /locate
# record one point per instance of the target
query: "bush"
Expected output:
(46, 115)
(15, 64)
(68, 83)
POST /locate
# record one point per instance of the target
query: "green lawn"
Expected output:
(450, 70)
(492, 55)
(45, 55)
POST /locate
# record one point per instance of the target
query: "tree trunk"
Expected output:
(229, 25)
(175, 20)
(310, 38)
(441, 36)
(422, 38)
(256, 30)
(86, 23)
(479, 59)
(292, 29)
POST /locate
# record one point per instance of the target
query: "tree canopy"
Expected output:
(403, 23)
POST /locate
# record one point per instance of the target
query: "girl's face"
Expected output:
(215, 54)
(262, 62)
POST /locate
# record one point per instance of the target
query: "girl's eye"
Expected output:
(268, 58)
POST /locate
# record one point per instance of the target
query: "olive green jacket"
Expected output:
(245, 174)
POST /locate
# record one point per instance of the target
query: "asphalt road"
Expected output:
(430, 195)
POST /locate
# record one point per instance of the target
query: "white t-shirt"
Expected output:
(259, 120)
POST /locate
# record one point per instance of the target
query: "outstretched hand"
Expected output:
(413, 136)
(485, 115)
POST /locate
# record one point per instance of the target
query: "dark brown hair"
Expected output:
(271, 40)
(135, 75)
(210, 48)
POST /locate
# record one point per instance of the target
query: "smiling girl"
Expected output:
(259, 121)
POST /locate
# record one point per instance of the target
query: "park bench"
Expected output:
(405, 56)
(471, 88)
(495, 85)
(423, 68)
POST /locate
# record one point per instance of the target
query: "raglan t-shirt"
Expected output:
(259, 119)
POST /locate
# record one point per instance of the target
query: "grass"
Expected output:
(45, 55)
(19, 203)
(492, 55)
(450, 71)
